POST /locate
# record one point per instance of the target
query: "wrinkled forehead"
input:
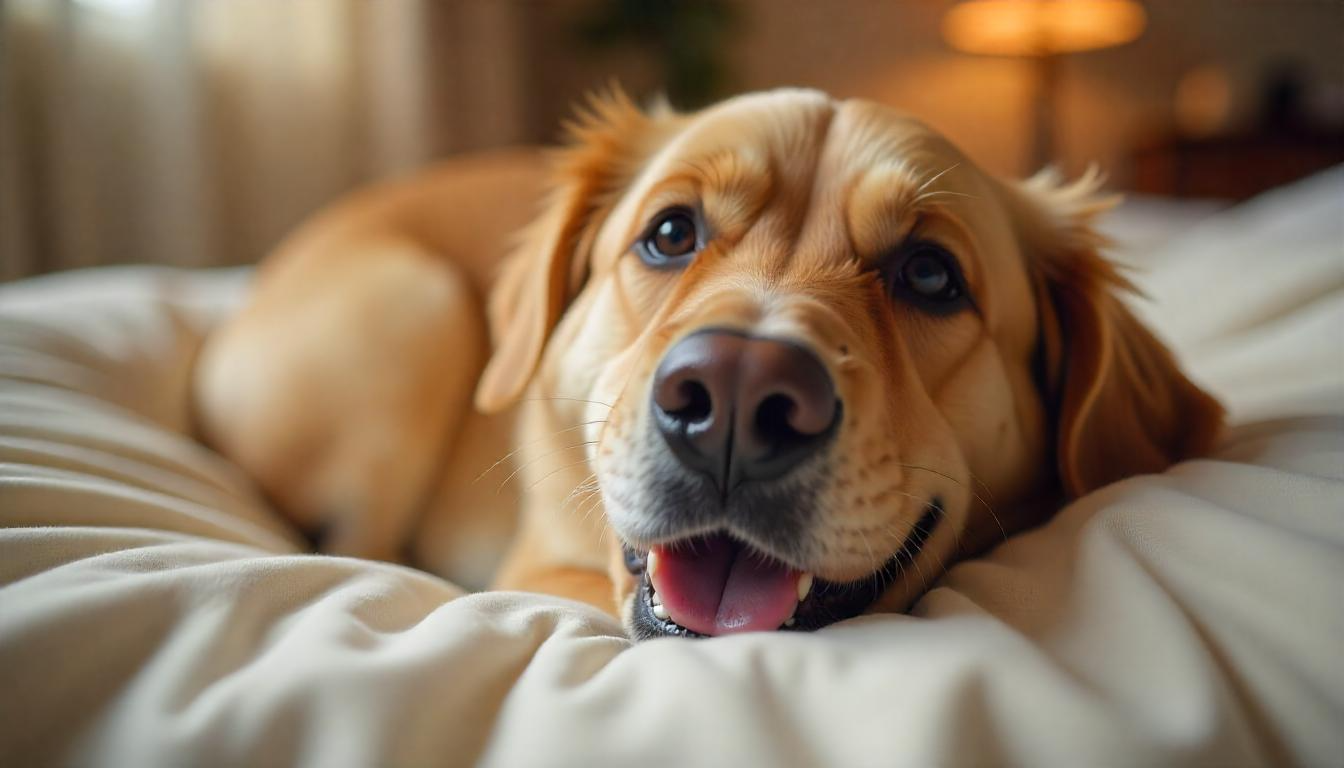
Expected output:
(849, 178)
(892, 176)
(781, 131)
(730, 160)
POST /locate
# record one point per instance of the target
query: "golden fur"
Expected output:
(344, 386)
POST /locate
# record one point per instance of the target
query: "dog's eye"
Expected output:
(926, 273)
(671, 240)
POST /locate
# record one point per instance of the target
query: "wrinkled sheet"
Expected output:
(153, 611)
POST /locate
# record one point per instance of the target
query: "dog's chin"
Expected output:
(817, 602)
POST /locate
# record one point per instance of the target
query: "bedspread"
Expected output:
(154, 611)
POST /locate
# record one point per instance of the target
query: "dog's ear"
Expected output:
(1121, 404)
(607, 143)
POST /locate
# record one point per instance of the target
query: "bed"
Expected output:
(154, 611)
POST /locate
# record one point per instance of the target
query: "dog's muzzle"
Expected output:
(746, 421)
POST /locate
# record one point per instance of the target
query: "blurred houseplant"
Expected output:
(687, 40)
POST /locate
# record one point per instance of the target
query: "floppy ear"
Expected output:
(606, 143)
(1122, 405)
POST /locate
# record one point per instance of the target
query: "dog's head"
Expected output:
(819, 349)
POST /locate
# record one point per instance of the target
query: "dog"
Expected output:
(762, 367)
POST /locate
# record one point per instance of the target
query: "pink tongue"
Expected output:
(715, 586)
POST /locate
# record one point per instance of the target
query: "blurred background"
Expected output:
(198, 132)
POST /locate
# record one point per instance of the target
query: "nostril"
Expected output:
(737, 407)
(694, 403)
(772, 421)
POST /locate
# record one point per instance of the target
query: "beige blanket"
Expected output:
(154, 612)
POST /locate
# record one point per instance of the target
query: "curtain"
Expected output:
(197, 132)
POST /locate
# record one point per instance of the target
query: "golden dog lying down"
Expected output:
(769, 366)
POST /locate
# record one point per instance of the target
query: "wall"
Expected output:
(198, 132)
(1107, 100)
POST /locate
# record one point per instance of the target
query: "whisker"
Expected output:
(531, 443)
(937, 176)
(875, 576)
(896, 537)
(573, 399)
(581, 490)
(936, 192)
(554, 471)
(904, 541)
(914, 560)
(942, 567)
(942, 562)
(983, 485)
(956, 532)
(1002, 531)
(596, 498)
(579, 502)
(899, 567)
(535, 459)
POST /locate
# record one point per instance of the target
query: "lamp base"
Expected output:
(1043, 111)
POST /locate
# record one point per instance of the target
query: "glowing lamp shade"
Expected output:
(1041, 27)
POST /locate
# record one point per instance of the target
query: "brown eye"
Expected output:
(671, 240)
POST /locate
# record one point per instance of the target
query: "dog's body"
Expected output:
(772, 365)
(344, 386)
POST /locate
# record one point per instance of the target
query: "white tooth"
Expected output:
(651, 563)
(804, 586)
(660, 612)
(789, 622)
(657, 601)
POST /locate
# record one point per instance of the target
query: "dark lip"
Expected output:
(828, 603)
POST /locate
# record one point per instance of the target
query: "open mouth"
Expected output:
(715, 584)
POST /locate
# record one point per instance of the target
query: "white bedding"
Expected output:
(154, 612)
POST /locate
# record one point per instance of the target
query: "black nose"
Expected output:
(738, 407)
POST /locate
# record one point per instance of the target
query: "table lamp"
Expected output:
(1042, 30)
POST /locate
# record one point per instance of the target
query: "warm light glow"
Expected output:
(1039, 27)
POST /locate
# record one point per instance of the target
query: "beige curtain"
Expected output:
(197, 132)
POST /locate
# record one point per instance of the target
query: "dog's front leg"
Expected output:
(547, 558)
